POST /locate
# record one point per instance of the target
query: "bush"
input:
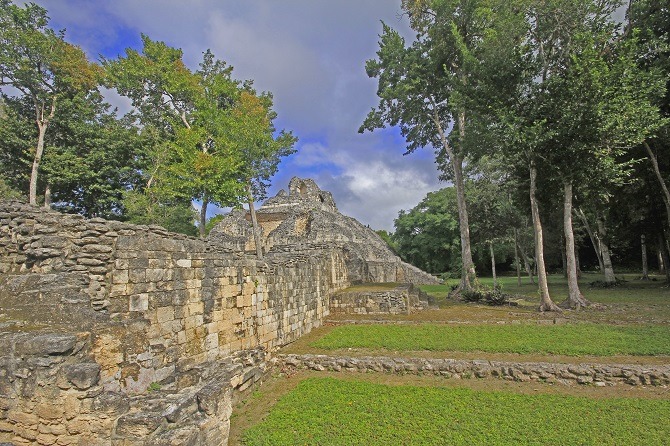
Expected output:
(496, 297)
(472, 296)
(490, 296)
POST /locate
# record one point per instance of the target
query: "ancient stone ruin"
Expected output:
(306, 218)
(113, 333)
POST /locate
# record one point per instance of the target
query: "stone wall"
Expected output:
(396, 300)
(149, 303)
(594, 374)
(52, 394)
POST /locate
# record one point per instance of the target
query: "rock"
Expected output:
(83, 376)
(111, 403)
(47, 344)
(138, 424)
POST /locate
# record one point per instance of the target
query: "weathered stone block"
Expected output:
(111, 403)
(83, 376)
(139, 302)
(46, 344)
(138, 425)
(165, 314)
(120, 276)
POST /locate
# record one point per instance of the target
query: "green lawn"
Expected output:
(326, 411)
(568, 339)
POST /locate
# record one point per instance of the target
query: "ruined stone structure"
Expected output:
(400, 299)
(112, 333)
(307, 218)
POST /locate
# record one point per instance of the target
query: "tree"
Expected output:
(427, 236)
(192, 111)
(422, 87)
(254, 134)
(42, 66)
(90, 157)
(649, 28)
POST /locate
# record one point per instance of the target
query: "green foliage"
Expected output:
(213, 222)
(428, 235)
(6, 191)
(337, 412)
(174, 215)
(43, 67)
(604, 340)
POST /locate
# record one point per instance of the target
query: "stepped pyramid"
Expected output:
(306, 218)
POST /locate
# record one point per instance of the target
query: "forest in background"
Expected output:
(551, 120)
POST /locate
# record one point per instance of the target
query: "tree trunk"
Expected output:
(564, 257)
(659, 177)
(546, 304)
(39, 151)
(468, 277)
(517, 260)
(42, 122)
(526, 264)
(493, 265)
(47, 196)
(663, 246)
(254, 223)
(594, 239)
(661, 263)
(578, 263)
(575, 298)
(203, 215)
(645, 268)
(610, 279)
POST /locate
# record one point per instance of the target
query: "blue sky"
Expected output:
(311, 55)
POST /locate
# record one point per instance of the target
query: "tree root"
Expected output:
(549, 306)
(578, 303)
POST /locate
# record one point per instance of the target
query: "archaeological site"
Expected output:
(121, 334)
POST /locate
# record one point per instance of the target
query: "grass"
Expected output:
(327, 411)
(346, 409)
(568, 339)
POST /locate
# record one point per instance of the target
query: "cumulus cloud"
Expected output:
(311, 56)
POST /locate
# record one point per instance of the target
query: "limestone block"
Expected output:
(46, 344)
(139, 302)
(25, 419)
(137, 275)
(120, 276)
(83, 376)
(212, 341)
(155, 274)
(165, 314)
(195, 308)
(49, 411)
(184, 263)
(138, 425)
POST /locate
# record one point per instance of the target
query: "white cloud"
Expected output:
(311, 55)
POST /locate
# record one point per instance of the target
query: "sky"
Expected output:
(311, 55)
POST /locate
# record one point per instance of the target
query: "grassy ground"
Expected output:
(329, 411)
(568, 339)
(633, 327)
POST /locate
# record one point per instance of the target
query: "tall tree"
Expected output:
(422, 87)
(41, 65)
(193, 111)
(649, 28)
